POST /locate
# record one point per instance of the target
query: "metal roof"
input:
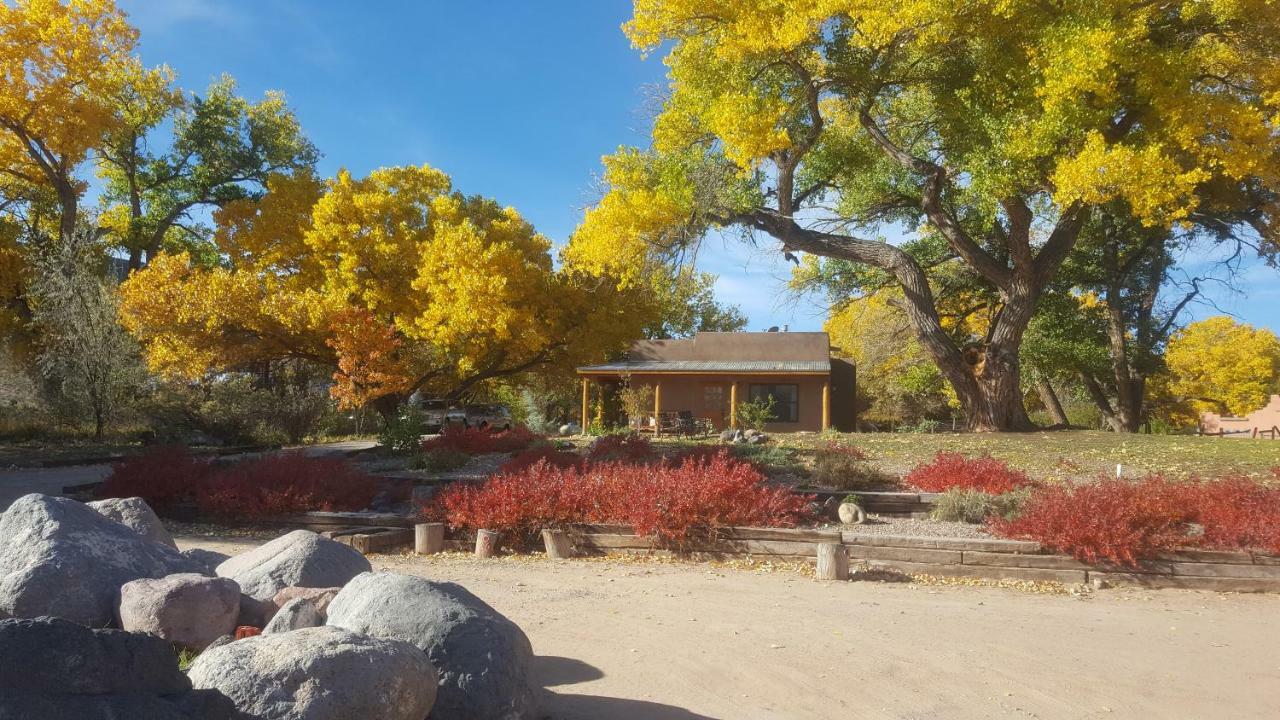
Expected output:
(711, 366)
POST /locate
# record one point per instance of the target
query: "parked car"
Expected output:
(490, 415)
(439, 413)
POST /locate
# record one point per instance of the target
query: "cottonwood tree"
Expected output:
(1223, 366)
(394, 280)
(993, 126)
(61, 63)
(216, 148)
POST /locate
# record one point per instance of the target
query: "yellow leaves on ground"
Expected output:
(1217, 363)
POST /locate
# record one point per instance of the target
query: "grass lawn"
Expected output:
(1061, 455)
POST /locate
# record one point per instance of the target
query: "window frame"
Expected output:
(769, 389)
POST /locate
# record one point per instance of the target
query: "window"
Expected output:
(786, 400)
(714, 401)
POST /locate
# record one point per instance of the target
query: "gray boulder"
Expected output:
(58, 669)
(208, 560)
(321, 673)
(570, 429)
(484, 659)
(59, 557)
(320, 597)
(188, 609)
(135, 513)
(300, 558)
(728, 435)
(296, 614)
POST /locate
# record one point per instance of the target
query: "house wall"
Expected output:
(688, 392)
(1263, 420)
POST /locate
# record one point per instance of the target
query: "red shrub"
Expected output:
(949, 471)
(164, 477)
(631, 448)
(478, 441)
(693, 499)
(1236, 513)
(1111, 519)
(528, 458)
(674, 503)
(286, 483)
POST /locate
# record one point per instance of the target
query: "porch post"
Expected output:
(733, 404)
(826, 404)
(657, 407)
(586, 402)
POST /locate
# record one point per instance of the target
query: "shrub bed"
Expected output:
(1124, 522)
(844, 467)
(550, 455)
(954, 471)
(627, 447)
(975, 506)
(274, 484)
(165, 476)
(479, 441)
(675, 502)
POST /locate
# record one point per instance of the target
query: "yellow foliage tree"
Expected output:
(61, 64)
(1223, 366)
(395, 280)
(995, 126)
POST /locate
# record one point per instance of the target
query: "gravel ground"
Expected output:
(878, 525)
(655, 640)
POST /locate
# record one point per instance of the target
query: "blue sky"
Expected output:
(515, 100)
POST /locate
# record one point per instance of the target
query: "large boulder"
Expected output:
(296, 614)
(187, 609)
(136, 514)
(320, 597)
(59, 557)
(300, 558)
(208, 560)
(320, 673)
(58, 669)
(485, 660)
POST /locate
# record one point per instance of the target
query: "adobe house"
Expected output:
(709, 375)
(1261, 423)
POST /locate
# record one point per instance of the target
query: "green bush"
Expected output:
(403, 432)
(439, 460)
(771, 459)
(755, 414)
(975, 506)
(844, 468)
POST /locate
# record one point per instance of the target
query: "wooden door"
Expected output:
(715, 404)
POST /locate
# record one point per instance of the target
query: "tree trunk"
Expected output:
(1051, 402)
(388, 405)
(1099, 397)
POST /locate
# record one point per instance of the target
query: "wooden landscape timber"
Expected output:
(989, 558)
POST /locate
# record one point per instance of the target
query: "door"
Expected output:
(715, 404)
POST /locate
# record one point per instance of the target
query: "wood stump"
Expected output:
(833, 561)
(557, 544)
(486, 543)
(428, 538)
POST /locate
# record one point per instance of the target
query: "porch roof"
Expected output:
(722, 367)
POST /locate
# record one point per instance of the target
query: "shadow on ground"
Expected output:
(553, 671)
(593, 707)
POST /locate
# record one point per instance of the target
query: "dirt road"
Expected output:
(679, 642)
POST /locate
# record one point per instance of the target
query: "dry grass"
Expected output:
(1062, 455)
